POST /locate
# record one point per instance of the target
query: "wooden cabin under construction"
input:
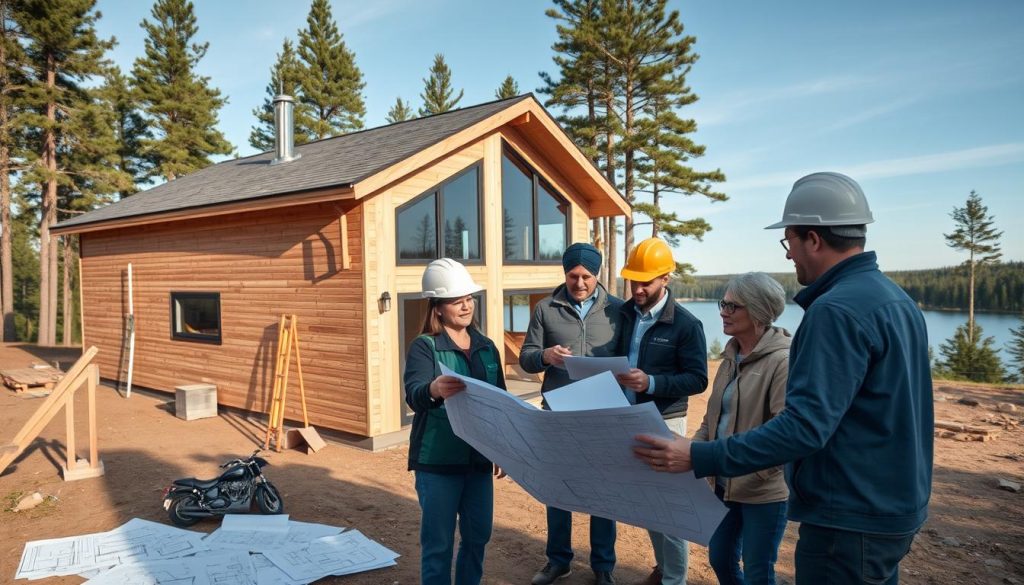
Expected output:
(338, 233)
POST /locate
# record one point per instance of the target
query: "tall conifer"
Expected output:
(331, 83)
(130, 129)
(13, 79)
(63, 50)
(975, 235)
(1016, 349)
(399, 112)
(508, 88)
(437, 89)
(662, 172)
(284, 78)
(581, 85)
(181, 105)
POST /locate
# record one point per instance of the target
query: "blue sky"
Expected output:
(920, 101)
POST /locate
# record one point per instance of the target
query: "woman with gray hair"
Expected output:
(749, 389)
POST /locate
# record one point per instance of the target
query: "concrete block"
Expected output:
(193, 401)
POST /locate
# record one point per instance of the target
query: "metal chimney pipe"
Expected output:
(284, 129)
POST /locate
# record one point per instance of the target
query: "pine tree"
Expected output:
(400, 112)
(969, 356)
(130, 129)
(508, 88)
(579, 54)
(25, 269)
(1016, 350)
(284, 78)
(63, 50)
(181, 106)
(13, 80)
(662, 172)
(650, 58)
(437, 89)
(975, 235)
(331, 82)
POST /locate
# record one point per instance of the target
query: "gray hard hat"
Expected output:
(827, 199)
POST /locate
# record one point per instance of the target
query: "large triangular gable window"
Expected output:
(443, 222)
(535, 216)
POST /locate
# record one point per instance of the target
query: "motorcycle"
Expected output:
(189, 500)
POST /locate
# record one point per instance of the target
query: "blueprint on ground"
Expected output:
(583, 460)
(600, 391)
(580, 367)
(141, 552)
(136, 540)
(257, 533)
(341, 554)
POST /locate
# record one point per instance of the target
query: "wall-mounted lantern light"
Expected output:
(385, 302)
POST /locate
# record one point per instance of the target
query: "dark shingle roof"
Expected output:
(340, 161)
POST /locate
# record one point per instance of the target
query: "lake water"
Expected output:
(941, 324)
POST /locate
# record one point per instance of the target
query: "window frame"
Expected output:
(196, 337)
(438, 191)
(537, 181)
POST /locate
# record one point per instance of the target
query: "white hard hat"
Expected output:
(827, 199)
(447, 279)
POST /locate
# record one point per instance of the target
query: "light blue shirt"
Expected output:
(583, 307)
(643, 323)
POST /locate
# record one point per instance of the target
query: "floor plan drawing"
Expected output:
(135, 541)
(583, 460)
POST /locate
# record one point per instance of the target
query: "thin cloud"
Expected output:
(747, 103)
(983, 156)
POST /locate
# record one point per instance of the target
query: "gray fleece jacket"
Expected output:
(556, 322)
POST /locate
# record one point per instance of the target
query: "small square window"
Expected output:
(195, 316)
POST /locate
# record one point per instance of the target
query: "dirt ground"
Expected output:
(975, 533)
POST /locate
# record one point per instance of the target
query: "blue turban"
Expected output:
(580, 254)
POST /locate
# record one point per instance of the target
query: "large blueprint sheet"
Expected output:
(583, 460)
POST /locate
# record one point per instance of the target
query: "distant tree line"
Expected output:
(1000, 287)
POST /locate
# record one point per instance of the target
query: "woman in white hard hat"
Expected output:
(453, 481)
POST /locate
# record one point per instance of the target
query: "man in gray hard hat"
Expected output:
(857, 429)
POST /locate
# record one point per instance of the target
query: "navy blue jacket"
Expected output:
(857, 428)
(673, 352)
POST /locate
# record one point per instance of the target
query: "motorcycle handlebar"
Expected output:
(239, 461)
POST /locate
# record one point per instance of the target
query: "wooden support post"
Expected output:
(94, 378)
(69, 419)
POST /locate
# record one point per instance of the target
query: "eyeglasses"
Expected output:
(785, 244)
(728, 307)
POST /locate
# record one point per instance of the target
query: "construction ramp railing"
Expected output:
(83, 373)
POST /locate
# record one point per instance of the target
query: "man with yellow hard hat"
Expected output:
(668, 355)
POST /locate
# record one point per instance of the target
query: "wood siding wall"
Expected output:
(263, 264)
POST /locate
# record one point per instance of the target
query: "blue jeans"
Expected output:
(467, 497)
(602, 540)
(751, 532)
(829, 556)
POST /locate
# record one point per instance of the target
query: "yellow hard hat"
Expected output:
(650, 259)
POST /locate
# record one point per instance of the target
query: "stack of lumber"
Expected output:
(964, 432)
(39, 377)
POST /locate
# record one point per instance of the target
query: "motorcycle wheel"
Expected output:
(268, 499)
(177, 515)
